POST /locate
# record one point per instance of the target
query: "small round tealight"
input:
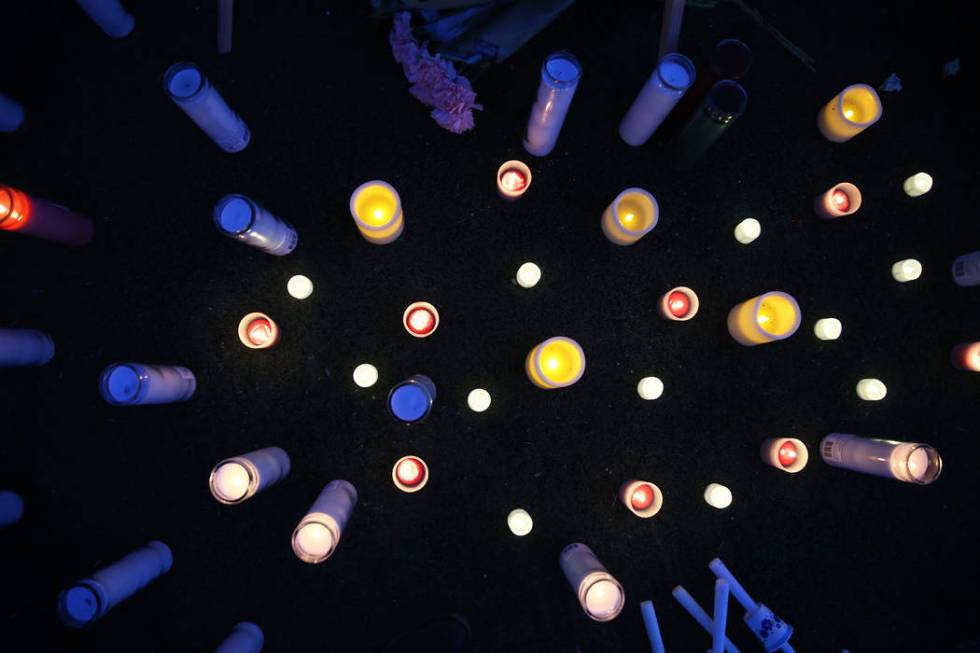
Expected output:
(907, 269)
(478, 400)
(828, 328)
(918, 184)
(747, 230)
(519, 522)
(871, 389)
(299, 286)
(365, 375)
(528, 275)
(718, 496)
(650, 387)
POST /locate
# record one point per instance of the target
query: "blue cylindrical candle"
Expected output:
(673, 75)
(109, 15)
(411, 400)
(192, 92)
(241, 218)
(560, 74)
(11, 114)
(25, 348)
(245, 637)
(89, 599)
(129, 384)
(11, 508)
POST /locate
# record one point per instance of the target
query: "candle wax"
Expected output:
(513, 180)
(918, 464)
(840, 200)
(630, 214)
(315, 540)
(421, 321)
(410, 472)
(231, 481)
(787, 454)
(768, 318)
(236, 215)
(603, 599)
(678, 303)
(563, 70)
(642, 497)
(852, 111)
(259, 331)
(185, 83)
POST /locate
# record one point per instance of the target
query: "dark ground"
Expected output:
(852, 561)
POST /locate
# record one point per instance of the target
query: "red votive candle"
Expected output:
(843, 199)
(678, 304)
(513, 178)
(410, 474)
(967, 356)
(258, 331)
(840, 200)
(642, 497)
(787, 454)
(421, 319)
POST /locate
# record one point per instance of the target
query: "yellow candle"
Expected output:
(852, 111)
(555, 363)
(769, 317)
(630, 216)
(377, 212)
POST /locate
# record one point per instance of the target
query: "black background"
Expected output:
(851, 561)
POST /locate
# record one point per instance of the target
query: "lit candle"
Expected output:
(966, 356)
(130, 384)
(906, 270)
(918, 184)
(365, 375)
(31, 216)
(234, 480)
(600, 595)
(11, 114)
(642, 498)
(519, 522)
(241, 218)
(828, 328)
(25, 348)
(966, 270)
(787, 454)
(560, 74)
(410, 474)
(555, 363)
(851, 111)
(478, 400)
(192, 92)
(722, 106)
(678, 304)
(91, 598)
(528, 275)
(377, 212)
(420, 319)
(258, 331)
(910, 462)
(671, 78)
(299, 286)
(631, 216)
(109, 15)
(842, 199)
(411, 400)
(871, 389)
(650, 387)
(11, 508)
(317, 535)
(718, 496)
(766, 318)
(245, 637)
(747, 230)
(513, 179)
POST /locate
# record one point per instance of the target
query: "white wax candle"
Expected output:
(907, 270)
(747, 230)
(603, 599)
(315, 540)
(718, 496)
(519, 522)
(918, 184)
(871, 389)
(665, 87)
(528, 275)
(560, 75)
(365, 375)
(650, 387)
(231, 481)
(299, 286)
(478, 400)
(828, 328)
(918, 464)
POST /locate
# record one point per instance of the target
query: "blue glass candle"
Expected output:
(245, 637)
(411, 400)
(560, 74)
(11, 114)
(11, 508)
(241, 218)
(89, 599)
(130, 384)
(108, 15)
(192, 92)
(671, 78)
(25, 348)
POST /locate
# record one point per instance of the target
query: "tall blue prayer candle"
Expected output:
(11, 114)
(192, 92)
(242, 218)
(129, 384)
(25, 348)
(11, 508)
(411, 400)
(245, 637)
(560, 74)
(109, 15)
(234, 480)
(89, 599)
(318, 533)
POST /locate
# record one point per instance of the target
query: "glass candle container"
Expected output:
(722, 106)
(89, 599)
(871, 389)
(906, 270)
(642, 498)
(513, 179)
(317, 535)
(555, 363)
(966, 356)
(237, 479)
(851, 111)
(410, 474)
(910, 462)
(243, 219)
(245, 637)
(787, 454)
(600, 595)
(765, 318)
(11, 114)
(11, 508)
(842, 199)
(258, 331)
(828, 328)
(109, 15)
(130, 384)
(377, 212)
(678, 304)
(25, 348)
(966, 270)
(192, 92)
(411, 400)
(560, 74)
(673, 75)
(21, 213)
(420, 319)
(632, 215)
(918, 184)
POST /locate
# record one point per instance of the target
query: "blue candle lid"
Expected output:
(122, 383)
(78, 606)
(183, 80)
(409, 402)
(233, 214)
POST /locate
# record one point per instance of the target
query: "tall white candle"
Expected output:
(600, 595)
(234, 480)
(318, 533)
(911, 462)
(560, 75)
(671, 78)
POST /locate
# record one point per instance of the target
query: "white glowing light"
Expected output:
(747, 230)
(365, 375)
(231, 481)
(907, 270)
(871, 389)
(299, 286)
(315, 540)
(528, 275)
(650, 387)
(478, 400)
(828, 328)
(718, 496)
(603, 599)
(918, 184)
(519, 522)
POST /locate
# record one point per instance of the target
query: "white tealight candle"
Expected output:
(365, 375)
(603, 600)
(519, 522)
(315, 540)
(718, 496)
(478, 400)
(231, 481)
(907, 270)
(747, 230)
(828, 328)
(528, 275)
(871, 389)
(299, 286)
(650, 387)
(918, 184)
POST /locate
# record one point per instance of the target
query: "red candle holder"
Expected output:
(642, 498)
(421, 319)
(842, 199)
(787, 454)
(258, 331)
(678, 304)
(966, 356)
(513, 179)
(410, 474)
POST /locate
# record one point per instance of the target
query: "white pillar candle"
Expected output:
(192, 92)
(299, 286)
(748, 230)
(317, 535)
(243, 219)
(918, 184)
(871, 389)
(911, 462)
(966, 270)
(365, 375)
(513, 179)
(25, 348)
(237, 479)
(600, 595)
(519, 522)
(478, 400)
(718, 496)
(650, 387)
(671, 78)
(560, 74)
(129, 384)
(245, 637)
(109, 15)
(828, 328)
(906, 270)
(528, 275)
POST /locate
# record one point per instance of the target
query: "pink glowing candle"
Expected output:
(840, 200)
(678, 304)
(410, 474)
(258, 331)
(513, 179)
(421, 319)
(967, 356)
(785, 454)
(642, 498)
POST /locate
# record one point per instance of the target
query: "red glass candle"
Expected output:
(513, 178)
(842, 199)
(36, 217)
(642, 497)
(410, 474)
(678, 304)
(258, 331)
(787, 454)
(421, 319)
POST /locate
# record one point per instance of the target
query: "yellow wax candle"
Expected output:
(555, 363)
(852, 111)
(769, 317)
(377, 212)
(630, 216)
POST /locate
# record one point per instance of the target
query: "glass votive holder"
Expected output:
(787, 454)
(111, 17)
(632, 215)
(560, 75)
(966, 356)
(842, 199)
(410, 474)
(513, 179)
(851, 111)
(420, 319)
(555, 363)
(377, 212)
(765, 318)
(318, 533)
(24, 214)
(908, 269)
(918, 184)
(258, 331)
(678, 304)
(236, 479)
(411, 400)
(642, 498)
(600, 595)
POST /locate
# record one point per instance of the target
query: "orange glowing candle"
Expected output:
(555, 363)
